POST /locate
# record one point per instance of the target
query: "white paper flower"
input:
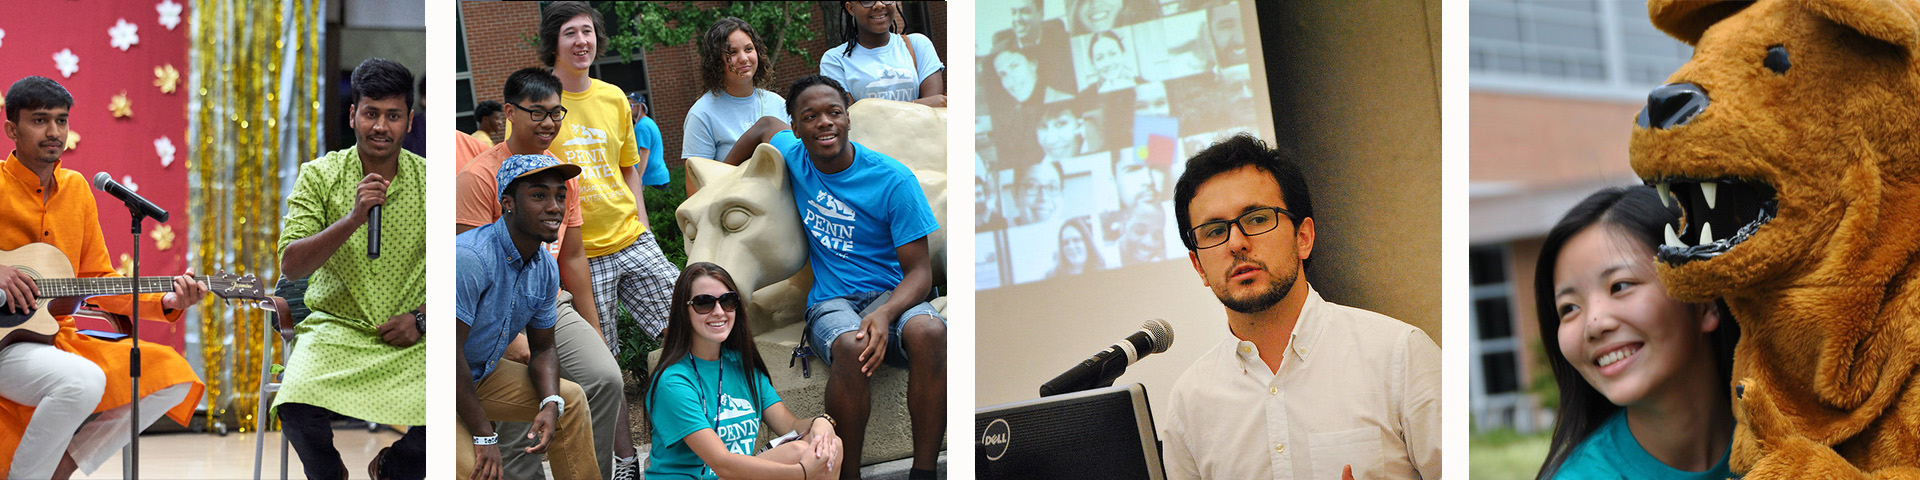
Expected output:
(169, 13)
(128, 181)
(164, 148)
(67, 62)
(125, 35)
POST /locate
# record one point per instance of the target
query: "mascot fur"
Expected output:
(1791, 141)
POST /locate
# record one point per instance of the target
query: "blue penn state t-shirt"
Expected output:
(855, 219)
(689, 398)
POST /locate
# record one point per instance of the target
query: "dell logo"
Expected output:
(995, 439)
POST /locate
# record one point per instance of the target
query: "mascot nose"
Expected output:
(1672, 105)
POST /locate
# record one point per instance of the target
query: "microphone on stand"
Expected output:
(140, 209)
(140, 206)
(1102, 368)
(373, 232)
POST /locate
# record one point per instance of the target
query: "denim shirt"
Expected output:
(500, 294)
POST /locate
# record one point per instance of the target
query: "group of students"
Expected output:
(554, 239)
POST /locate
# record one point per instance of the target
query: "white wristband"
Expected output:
(486, 440)
(557, 400)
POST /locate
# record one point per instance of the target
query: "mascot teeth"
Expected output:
(1749, 204)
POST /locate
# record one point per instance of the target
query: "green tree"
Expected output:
(782, 25)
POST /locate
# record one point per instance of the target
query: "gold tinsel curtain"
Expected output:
(255, 115)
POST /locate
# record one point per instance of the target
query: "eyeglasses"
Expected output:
(537, 115)
(1254, 222)
(703, 303)
(870, 4)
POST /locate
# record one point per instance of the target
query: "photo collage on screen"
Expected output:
(1079, 141)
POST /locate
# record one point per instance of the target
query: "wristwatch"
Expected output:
(420, 321)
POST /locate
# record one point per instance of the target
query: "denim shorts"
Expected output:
(829, 319)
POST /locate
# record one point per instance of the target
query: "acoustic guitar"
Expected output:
(61, 293)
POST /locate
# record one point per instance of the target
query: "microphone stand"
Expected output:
(133, 354)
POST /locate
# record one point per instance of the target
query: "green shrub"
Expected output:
(634, 344)
(660, 218)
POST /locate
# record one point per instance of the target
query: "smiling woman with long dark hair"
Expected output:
(1643, 377)
(712, 394)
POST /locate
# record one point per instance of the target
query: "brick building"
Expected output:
(1554, 86)
(496, 38)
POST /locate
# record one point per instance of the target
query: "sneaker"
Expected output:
(628, 469)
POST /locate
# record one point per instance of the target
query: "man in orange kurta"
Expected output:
(48, 391)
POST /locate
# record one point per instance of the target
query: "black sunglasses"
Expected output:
(703, 303)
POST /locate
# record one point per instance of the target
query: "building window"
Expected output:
(1497, 399)
(1589, 48)
(630, 76)
(463, 81)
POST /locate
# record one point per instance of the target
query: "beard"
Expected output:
(1261, 301)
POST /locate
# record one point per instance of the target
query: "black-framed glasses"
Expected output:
(556, 113)
(703, 303)
(1254, 222)
(870, 4)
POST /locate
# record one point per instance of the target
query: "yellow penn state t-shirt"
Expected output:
(597, 135)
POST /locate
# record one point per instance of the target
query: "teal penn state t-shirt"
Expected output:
(690, 397)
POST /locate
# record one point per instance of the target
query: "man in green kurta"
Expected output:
(359, 353)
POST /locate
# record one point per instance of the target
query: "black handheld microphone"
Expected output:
(373, 231)
(136, 203)
(1102, 368)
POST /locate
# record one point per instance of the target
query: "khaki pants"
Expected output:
(584, 359)
(508, 395)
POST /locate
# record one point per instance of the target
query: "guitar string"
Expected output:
(65, 287)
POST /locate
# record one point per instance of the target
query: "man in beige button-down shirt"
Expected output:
(1304, 388)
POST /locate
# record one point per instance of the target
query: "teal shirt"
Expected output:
(685, 402)
(1612, 453)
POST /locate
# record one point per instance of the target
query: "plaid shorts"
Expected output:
(641, 279)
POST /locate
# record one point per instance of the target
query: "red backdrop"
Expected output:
(36, 30)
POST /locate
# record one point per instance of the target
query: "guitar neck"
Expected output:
(88, 287)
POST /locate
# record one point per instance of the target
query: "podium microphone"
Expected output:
(140, 206)
(373, 232)
(1102, 368)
